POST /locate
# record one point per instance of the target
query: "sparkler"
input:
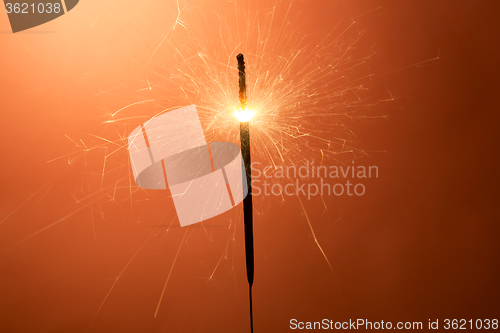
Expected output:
(307, 92)
(244, 116)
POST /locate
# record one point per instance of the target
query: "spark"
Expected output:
(302, 97)
(316, 240)
(170, 272)
(244, 115)
(58, 221)
(125, 107)
(118, 277)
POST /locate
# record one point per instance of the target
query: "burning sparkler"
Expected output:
(310, 92)
(244, 118)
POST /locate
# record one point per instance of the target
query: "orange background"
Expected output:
(79, 250)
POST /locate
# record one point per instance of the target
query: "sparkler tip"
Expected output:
(242, 83)
(244, 115)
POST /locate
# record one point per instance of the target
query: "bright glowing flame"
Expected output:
(244, 115)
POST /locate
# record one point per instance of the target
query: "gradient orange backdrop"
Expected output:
(82, 251)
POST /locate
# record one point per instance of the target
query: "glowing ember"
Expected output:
(244, 115)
